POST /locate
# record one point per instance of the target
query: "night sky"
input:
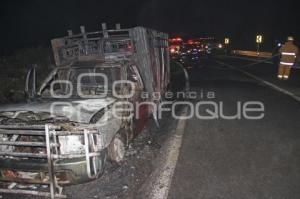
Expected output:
(27, 23)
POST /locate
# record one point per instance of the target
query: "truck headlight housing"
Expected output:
(71, 144)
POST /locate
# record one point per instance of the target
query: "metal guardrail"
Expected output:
(252, 53)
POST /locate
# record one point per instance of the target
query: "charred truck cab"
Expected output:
(67, 131)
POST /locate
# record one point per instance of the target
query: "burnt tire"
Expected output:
(117, 149)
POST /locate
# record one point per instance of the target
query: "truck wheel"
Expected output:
(116, 149)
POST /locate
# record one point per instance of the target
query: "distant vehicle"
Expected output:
(66, 132)
(175, 45)
(209, 45)
(189, 55)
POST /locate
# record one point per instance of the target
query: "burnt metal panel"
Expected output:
(146, 48)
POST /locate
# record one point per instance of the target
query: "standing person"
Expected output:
(288, 57)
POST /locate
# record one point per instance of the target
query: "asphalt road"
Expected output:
(240, 158)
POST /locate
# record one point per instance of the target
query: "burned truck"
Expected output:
(67, 130)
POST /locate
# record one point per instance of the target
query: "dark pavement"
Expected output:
(268, 72)
(240, 159)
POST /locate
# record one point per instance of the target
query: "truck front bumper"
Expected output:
(39, 152)
(35, 171)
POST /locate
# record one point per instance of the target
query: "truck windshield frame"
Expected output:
(80, 82)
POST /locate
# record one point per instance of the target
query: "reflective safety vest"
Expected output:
(288, 54)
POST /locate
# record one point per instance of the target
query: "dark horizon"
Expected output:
(35, 23)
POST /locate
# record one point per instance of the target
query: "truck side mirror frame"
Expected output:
(30, 84)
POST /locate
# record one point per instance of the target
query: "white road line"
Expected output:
(277, 88)
(271, 85)
(160, 181)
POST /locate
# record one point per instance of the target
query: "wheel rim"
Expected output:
(117, 150)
